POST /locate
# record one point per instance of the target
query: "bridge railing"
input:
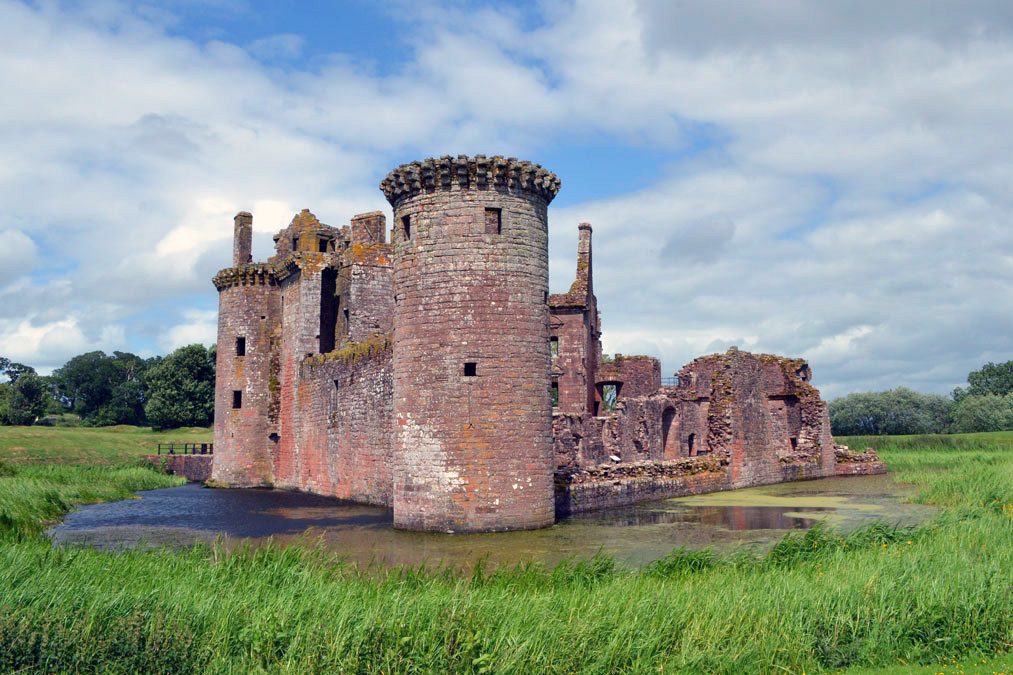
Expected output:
(186, 448)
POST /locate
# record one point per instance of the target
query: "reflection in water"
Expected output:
(637, 534)
(755, 517)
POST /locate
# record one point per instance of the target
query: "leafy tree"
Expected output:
(991, 378)
(104, 389)
(897, 411)
(988, 412)
(14, 370)
(25, 399)
(181, 389)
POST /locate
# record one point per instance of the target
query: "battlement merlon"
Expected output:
(481, 172)
(245, 275)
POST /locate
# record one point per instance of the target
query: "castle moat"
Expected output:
(752, 518)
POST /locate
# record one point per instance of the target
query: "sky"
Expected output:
(828, 180)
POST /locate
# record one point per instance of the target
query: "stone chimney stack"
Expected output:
(242, 245)
(584, 256)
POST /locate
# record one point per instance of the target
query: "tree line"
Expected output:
(985, 404)
(164, 392)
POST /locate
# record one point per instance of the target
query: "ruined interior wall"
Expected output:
(569, 326)
(634, 430)
(371, 291)
(755, 405)
(577, 440)
(640, 375)
(346, 413)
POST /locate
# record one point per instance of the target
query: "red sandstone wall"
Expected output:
(371, 292)
(576, 384)
(346, 409)
(191, 467)
(471, 453)
(604, 492)
(640, 375)
(761, 410)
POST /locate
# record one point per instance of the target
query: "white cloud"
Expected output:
(282, 46)
(197, 327)
(833, 167)
(17, 255)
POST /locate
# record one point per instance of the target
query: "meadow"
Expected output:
(938, 598)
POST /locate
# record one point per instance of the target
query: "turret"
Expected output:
(248, 316)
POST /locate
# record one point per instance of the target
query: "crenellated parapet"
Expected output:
(245, 275)
(480, 172)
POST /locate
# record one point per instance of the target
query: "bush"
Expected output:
(989, 412)
(894, 412)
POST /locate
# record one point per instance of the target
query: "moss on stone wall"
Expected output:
(374, 345)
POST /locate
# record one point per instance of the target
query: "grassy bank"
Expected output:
(879, 597)
(92, 446)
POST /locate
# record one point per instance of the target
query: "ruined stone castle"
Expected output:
(434, 373)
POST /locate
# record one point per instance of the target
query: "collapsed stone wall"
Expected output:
(579, 490)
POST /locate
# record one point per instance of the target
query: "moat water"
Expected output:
(753, 518)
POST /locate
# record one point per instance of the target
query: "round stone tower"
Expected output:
(247, 316)
(472, 400)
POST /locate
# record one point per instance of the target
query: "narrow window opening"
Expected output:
(554, 346)
(667, 418)
(493, 221)
(406, 227)
(470, 369)
(794, 444)
(263, 316)
(609, 396)
(691, 442)
(328, 311)
(240, 346)
(323, 246)
(545, 297)
(237, 399)
(295, 244)
(555, 393)
(337, 384)
(345, 312)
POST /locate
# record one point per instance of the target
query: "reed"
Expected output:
(878, 597)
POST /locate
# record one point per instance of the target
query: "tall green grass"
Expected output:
(818, 602)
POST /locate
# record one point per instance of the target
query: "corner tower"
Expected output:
(248, 317)
(472, 400)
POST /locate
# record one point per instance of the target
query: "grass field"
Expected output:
(94, 446)
(934, 599)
